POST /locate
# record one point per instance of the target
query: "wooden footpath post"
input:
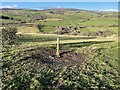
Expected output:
(58, 52)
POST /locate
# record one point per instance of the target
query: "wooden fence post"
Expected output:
(58, 52)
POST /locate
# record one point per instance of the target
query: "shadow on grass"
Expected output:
(28, 38)
(82, 44)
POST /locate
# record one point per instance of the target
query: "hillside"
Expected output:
(59, 49)
(61, 21)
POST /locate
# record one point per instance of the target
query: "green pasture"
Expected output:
(104, 22)
(95, 29)
(23, 69)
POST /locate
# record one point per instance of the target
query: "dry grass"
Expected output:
(25, 29)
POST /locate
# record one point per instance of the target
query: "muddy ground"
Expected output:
(48, 57)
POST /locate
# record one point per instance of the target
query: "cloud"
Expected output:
(9, 6)
(46, 7)
(113, 10)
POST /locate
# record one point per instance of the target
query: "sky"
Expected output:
(102, 6)
(60, 0)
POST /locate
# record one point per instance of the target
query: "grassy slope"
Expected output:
(25, 29)
(99, 70)
(69, 18)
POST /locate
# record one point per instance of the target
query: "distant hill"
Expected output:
(61, 21)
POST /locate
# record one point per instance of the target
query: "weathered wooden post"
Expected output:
(58, 52)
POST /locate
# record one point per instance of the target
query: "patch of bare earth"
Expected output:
(48, 57)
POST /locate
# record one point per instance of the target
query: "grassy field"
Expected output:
(92, 20)
(25, 29)
(98, 70)
(86, 62)
(101, 22)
